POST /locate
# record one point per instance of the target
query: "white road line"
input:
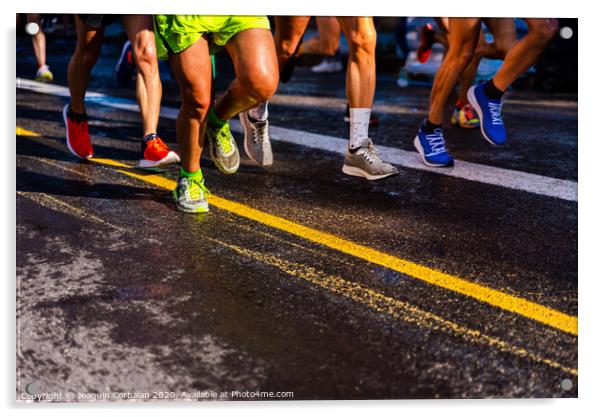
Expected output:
(516, 180)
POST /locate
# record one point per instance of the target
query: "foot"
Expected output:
(328, 65)
(125, 68)
(490, 115)
(431, 148)
(77, 134)
(289, 66)
(374, 121)
(44, 75)
(155, 153)
(257, 140)
(365, 162)
(222, 148)
(191, 195)
(427, 39)
(465, 117)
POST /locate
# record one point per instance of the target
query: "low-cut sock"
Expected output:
(491, 91)
(184, 173)
(429, 128)
(214, 120)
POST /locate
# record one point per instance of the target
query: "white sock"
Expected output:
(358, 128)
(260, 112)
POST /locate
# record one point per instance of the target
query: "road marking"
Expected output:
(356, 292)
(496, 298)
(61, 206)
(25, 132)
(516, 180)
(382, 303)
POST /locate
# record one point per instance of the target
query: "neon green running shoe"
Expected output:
(191, 195)
(223, 149)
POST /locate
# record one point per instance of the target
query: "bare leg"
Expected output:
(140, 32)
(87, 50)
(463, 38)
(38, 40)
(327, 42)
(361, 69)
(504, 38)
(192, 70)
(525, 52)
(256, 74)
(289, 32)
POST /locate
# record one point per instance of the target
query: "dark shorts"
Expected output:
(98, 21)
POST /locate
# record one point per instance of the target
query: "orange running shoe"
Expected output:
(155, 153)
(78, 137)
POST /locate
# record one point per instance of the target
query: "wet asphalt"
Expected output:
(119, 292)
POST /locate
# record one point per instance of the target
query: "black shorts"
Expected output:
(98, 21)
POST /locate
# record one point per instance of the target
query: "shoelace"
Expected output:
(260, 132)
(369, 152)
(223, 139)
(158, 145)
(436, 142)
(468, 111)
(195, 192)
(495, 110)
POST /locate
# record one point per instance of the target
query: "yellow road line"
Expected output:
(25, 132)
(398, 309)
(497, 298)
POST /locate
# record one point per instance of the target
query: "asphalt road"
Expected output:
(300, 279)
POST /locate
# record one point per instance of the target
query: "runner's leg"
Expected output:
(256, 73)
(139, 29)
(192, 71)
(87, 51)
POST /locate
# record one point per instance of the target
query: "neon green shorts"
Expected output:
(175, 33)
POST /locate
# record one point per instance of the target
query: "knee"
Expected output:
(461, 57)
(362, 43)
(261, 85)
(195, 103)
(146, 57)
(545, 30)
(286, 49)
(504, 46)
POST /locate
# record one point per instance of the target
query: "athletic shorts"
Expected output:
(98, 21)
(175, 33)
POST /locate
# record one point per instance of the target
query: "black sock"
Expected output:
(491, 91)
(150, 136)
(78, 117)
(429, 127)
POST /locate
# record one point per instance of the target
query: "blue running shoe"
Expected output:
(431, 148)
(490, 115)
(125, 68)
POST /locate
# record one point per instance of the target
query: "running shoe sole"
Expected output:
(420, 150)
(170, 158)
(202, 209)
(358, 172)
(475, 105)
(65, 110)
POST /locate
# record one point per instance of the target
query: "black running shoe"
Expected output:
(289, 66)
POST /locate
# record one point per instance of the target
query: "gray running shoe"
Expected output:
(257, 140)
(365, 162)
(222, 148)
(191, 195)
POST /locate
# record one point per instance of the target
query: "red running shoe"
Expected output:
(427, 39)
(78, 137)
(155, 153)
